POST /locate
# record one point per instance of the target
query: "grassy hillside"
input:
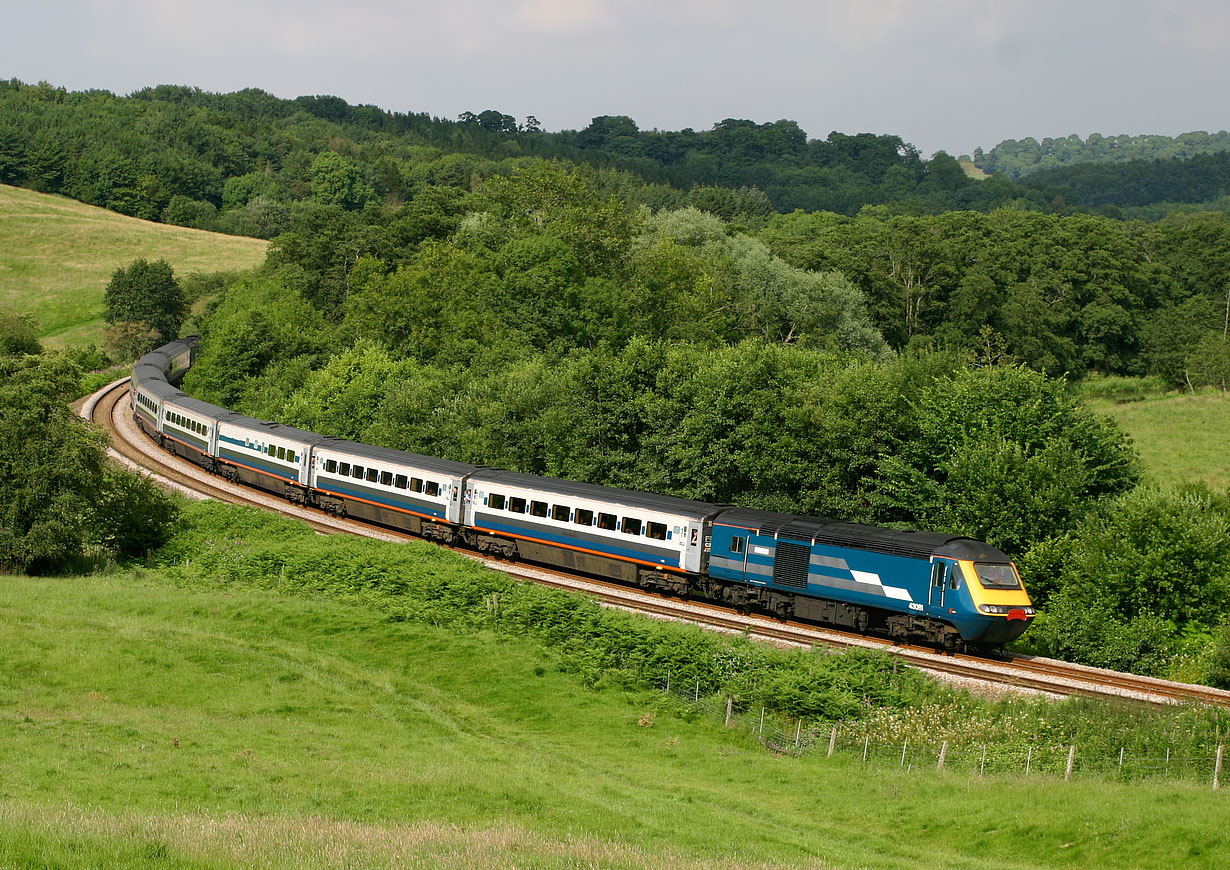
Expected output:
(56, 256)
(145, 725)
(1181, 438)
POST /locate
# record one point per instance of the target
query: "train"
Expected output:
(947, 591)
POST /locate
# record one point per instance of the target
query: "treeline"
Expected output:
(1064, 295)
(239, 162)
(1204, 178)
(1016, 159)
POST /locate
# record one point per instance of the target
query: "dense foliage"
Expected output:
(60, 500)
(1014, 158)
(538, 323)
(238, 162)
(1062, 294)
(145, 307)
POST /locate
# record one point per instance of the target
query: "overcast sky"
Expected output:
(945, 74)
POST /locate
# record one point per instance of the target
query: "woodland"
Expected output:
(834, 327)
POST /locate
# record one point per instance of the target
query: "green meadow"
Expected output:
(57, 255)
(148, 725)
(1181, 438)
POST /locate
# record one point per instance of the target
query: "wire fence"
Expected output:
(1065, 763)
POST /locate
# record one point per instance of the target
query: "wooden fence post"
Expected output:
(832, 741)
(904, 744)
(1067, 774)
(943, 755)
(1217, 769)
(729, 704)
(1029, 757)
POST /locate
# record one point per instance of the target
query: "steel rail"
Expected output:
(134, 448)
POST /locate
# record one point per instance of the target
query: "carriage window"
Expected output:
(495, 501)
(516, 505)
(656, 531)
(538, 508)
(416, 485)
(356, 471)
(331, 466)
(373, 475)
(561, 512)
(400, 481)
(344, 469)
(290, 455)
(281, 453)
(631, 526)
(583, 517)
(736, 544)
(431, 488)
(607, 521)
(386, 478)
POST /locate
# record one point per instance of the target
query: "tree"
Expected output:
(59, 500)
(338, 181)
(18, 334)
(147, 292)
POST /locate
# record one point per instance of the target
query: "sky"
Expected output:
(946, 75)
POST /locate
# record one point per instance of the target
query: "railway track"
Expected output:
(108, 408)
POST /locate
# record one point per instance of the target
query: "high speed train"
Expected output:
(945, 590)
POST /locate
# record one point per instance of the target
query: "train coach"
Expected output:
(945, 590)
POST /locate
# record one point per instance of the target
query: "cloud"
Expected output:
(554, 17)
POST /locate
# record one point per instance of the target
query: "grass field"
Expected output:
(1181, 438)
(56, 256)
(144, 725)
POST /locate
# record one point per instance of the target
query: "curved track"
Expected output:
(108, 408)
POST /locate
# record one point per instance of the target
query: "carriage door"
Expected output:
(941, 571)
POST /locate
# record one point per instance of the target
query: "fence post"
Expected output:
(943, 755)
(798, 729)
(729, 704)
(1067, 774)
(1029, 757)
(1217, 769)
(983, 765)
(865, 739)
(832, 741)
(697, 691)
(1120, 761)
(668, 682)
(1167, 771)
(762, 721)
(904, 744)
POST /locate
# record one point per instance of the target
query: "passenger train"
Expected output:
(950, 591)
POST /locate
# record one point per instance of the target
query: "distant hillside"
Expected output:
(236, 162)
(56, 256)
(1200, 179)
(1017, 158)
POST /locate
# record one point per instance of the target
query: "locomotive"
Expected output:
(949, 591)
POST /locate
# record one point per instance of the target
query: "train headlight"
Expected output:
(1004, 609)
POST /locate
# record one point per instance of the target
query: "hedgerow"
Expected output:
(220, 545)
